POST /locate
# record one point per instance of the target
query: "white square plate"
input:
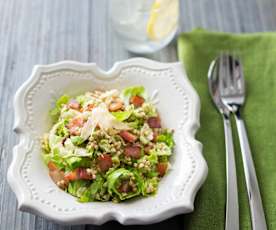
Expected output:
(178, 107)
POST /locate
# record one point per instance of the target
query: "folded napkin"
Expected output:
(258, 53)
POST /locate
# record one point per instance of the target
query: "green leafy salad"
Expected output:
(107, 145)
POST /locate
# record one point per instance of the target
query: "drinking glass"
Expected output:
(144, 26)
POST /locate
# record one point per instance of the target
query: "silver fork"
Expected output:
(232, 89)
(232, 203)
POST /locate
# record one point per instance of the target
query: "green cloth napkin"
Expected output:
(258, 53)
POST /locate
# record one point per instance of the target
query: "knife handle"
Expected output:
(255, 201)
(232, 203)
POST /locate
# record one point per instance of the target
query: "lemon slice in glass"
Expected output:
(163, 19)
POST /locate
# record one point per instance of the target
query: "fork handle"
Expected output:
(255, 201)
(232, 204)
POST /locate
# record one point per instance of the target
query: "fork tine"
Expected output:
(221, 80)
(232, 72)
(221, 71)
(227, 75)
(239, 78)
(235, 73)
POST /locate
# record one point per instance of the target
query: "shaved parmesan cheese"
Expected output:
(104, 119)
(81, 152)
(88, 128)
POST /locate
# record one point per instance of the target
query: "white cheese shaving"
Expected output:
(104, 119)
(81, 152)
(88, 128)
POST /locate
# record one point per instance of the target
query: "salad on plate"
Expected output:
(107, 145)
